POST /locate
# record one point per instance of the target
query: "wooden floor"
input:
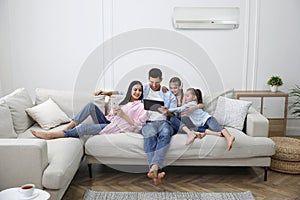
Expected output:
(202, 179)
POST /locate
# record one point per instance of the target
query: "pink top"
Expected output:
(135, 110)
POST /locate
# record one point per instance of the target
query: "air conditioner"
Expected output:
(206, 17)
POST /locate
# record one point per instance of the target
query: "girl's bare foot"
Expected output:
(200, 135)
(210, 132)
(191, 137)
(40, 135)
(230, 142)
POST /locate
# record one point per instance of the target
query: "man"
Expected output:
(157, 131)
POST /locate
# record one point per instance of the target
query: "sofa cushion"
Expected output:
(6, 123)
(64, 157)
(231, 112)
(71, 103)
(131, 146)
(210, 100)
(17, 102)
(48, 114)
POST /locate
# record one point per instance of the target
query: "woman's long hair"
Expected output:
(129, 90)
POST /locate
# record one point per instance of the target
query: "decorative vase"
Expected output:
(274, 88)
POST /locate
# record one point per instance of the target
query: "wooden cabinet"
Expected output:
(267, 102)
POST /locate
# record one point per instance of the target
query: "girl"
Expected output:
(128, 116)
(204, 122)
(176, 88)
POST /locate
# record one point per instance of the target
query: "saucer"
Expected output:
(34, 195)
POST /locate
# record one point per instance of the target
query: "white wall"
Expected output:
(44, 43)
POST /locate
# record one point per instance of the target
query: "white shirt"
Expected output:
(153, 115)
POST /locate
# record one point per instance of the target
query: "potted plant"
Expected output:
(274, 82)
(295, 106)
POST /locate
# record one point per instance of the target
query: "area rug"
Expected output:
(94, 195)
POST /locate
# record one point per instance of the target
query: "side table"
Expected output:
(277, 126)
(14, 194)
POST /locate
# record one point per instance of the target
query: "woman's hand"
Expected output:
(118, 111)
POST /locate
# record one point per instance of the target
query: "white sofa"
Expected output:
(52, 164)
(251, 147)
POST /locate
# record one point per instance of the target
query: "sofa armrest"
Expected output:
(22, 161)
(257, 125)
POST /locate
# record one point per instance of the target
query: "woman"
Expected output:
(129, 115)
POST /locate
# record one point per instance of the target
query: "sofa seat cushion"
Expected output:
(64, 156)
(36, 127)
(131, 145)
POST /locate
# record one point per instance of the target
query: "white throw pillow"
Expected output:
(69, 101)
(231, 112)
(48, 114)
(18, 101)
(6, 122)
(210, 99)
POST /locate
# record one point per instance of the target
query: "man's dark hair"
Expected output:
(155, 73)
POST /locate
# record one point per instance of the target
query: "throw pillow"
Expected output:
(231, 112)
(210, 99)
(69, 101)
(6, 123)
(18, 101)
(48, 114)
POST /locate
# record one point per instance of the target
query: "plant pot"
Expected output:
(273, 88)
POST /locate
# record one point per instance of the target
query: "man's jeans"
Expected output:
(157, 137)
(88, 129)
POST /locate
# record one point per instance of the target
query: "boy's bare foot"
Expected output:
(230, 142)
(39, 134)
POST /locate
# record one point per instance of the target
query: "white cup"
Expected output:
(27, 190)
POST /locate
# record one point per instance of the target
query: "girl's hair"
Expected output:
(178, 81)
(128, 94)
(197, 93)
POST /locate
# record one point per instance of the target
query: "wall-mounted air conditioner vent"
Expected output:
(206, 17)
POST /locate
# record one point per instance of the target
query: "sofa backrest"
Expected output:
(71, 103)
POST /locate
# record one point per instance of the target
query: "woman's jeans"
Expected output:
(88, 129)
(157, 137)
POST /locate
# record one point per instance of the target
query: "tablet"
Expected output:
(152, 105)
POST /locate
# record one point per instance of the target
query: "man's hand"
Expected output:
(101, 92)
(163, 110)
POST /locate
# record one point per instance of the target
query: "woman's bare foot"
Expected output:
(40, 135)
(72, 124)
(230, 141)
